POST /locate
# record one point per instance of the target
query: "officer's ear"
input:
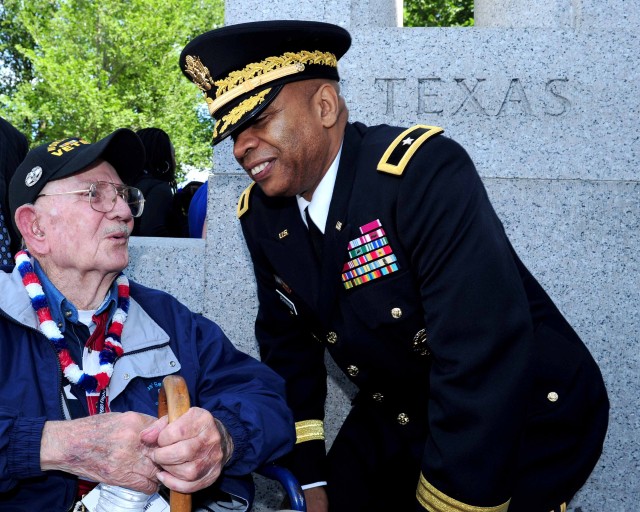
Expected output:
(329, 101)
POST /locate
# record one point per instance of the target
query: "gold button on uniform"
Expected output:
(552, 396)
(332, 337)
(353, 370)
(396, 313)
(378, 397)
(403, 419)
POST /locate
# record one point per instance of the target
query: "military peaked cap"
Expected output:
(241, 68)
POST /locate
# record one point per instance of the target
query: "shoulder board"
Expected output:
(400, 151)
(243, 202)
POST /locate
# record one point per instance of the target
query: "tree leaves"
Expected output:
(80, 67)
(438, 13)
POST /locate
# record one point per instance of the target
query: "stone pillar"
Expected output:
(346, 13)
(526, 13)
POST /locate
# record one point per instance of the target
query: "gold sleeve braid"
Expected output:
(309, 430)
(436, 501)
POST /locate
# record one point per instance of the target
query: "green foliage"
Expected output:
(16, 68)
(438, 13)
(81, 67)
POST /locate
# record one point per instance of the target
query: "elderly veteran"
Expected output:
(83, 352)
(379, 245)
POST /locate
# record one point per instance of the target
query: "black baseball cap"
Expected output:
(241, 68)
(123, 149)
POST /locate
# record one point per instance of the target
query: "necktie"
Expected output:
(317, 238)
(5, 251)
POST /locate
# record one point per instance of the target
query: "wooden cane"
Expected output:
(174, 401)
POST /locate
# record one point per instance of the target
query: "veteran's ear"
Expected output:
(29, 226)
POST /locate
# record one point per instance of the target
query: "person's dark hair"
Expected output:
(160, 161)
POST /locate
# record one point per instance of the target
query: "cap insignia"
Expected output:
(34, 175)
(199, 73)
(236, 113)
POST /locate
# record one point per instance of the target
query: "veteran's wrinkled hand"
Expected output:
(103, 448)
(191, 451)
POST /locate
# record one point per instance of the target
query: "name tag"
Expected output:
(288, 302)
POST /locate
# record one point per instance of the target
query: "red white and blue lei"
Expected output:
(102, 361)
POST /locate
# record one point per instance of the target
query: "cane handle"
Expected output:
(173, 401)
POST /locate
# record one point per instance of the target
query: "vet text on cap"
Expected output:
(123, 149)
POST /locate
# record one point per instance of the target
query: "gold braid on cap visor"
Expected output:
(247, 79)
(236, 113)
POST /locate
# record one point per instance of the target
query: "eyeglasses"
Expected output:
(103, 196)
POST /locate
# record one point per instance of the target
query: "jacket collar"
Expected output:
(140, 334)
(14, 300)
(140, 330)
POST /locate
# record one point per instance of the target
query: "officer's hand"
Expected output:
(191, 450)
(316, 499)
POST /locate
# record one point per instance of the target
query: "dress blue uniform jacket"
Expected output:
(160, 337)
(451, 337)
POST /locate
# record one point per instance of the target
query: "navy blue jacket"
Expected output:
(452, 339)
(160, 337)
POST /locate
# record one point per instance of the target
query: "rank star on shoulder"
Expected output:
(408, 141)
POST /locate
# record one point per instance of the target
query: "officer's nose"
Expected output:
(244, 142)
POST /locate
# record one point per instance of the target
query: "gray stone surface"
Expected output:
(580, 239)
(353, 13)
(545, 97)
(524, 13)
(170, 264)
(528, 103)
(580, 15)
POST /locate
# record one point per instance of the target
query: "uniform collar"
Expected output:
(321, 200)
